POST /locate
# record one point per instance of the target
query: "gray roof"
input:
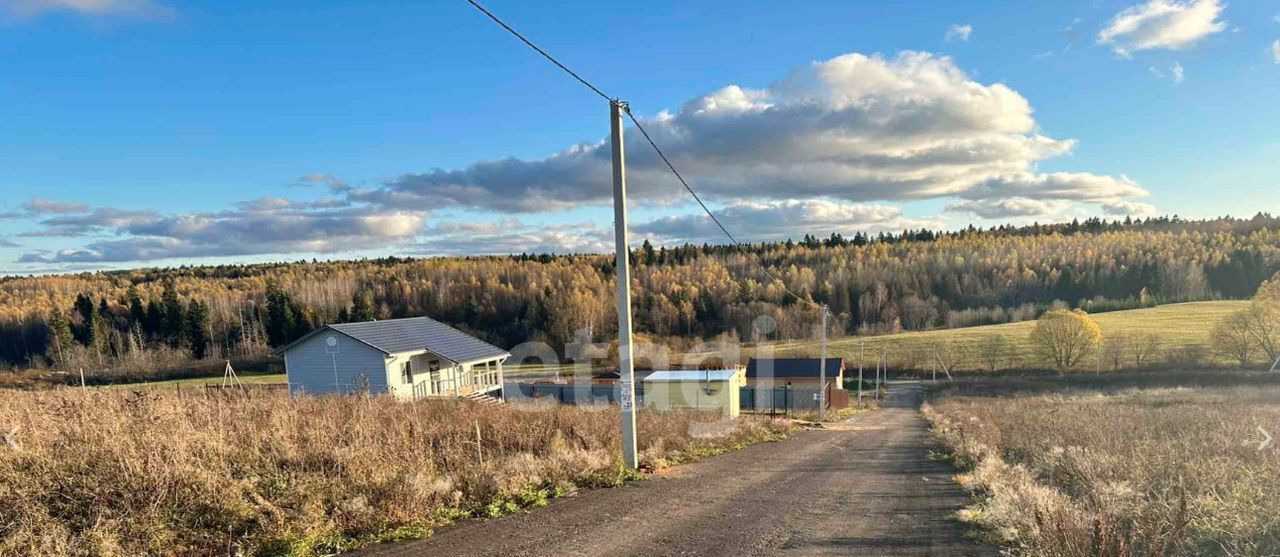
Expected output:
(792, 368)
(396, 336)
(693, 375)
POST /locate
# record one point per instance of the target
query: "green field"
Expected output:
(1181, 330)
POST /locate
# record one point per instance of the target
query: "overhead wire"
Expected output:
(652, 143)
(707, 210)
(544, 53)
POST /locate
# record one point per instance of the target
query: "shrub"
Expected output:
(1064, 338)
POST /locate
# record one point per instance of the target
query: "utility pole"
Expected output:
(862, 358)
(822, 367)
(626, 368)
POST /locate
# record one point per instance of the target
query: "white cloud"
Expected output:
(1169, 24)
(322, 179)
(1128, 208)
(262, 227)
(40, 205)
(512, 236)
(958, 32)
(1275, 51)
(1057, 185)
(1175, 74)
(1009, 207)
(754, 221)
(137, 9)
(854, 128)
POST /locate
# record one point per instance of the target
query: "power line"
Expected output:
(653, 144)
(679, 177)
(705, 209)
(540, 51)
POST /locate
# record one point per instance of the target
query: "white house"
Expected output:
(408, 358)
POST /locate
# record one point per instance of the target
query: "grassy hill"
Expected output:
(1180, 332)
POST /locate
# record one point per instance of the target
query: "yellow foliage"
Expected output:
(1065, 337)
(1269, 292)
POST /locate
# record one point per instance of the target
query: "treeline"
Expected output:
(883, 283)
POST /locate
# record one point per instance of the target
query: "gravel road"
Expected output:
(864, 487)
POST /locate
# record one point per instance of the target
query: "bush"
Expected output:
(1065, 338)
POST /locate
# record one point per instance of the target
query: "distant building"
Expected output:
(408, 358)
(706, 390)
(794, 372)
(605, 377)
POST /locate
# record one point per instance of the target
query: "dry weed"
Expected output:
(1139, 472)
(199, 473)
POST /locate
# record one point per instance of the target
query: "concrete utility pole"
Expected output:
(822, 367)
(862, 358)
(626, 368)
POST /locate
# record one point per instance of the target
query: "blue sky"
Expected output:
(139, 132)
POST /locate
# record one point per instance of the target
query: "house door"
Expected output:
(437, 383)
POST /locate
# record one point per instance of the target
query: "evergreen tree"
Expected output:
(60, 337)
(197, 329)
(362, 307)
(137, 313)
(84, 331)
(174, 320)
(153, 323)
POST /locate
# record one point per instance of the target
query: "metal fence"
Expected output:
(779, 400)
(776, 400)
(575, 394)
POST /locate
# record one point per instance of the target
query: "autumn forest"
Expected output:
(161, 318)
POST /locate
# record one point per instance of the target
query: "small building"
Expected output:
(409, 358)
(793, 372)
(605, 377)
(705, 390)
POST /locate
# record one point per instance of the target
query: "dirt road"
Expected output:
(865, 489)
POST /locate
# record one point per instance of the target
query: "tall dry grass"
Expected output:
(206, 473)
(1139, 472)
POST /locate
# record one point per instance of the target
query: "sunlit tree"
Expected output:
(1064, 338)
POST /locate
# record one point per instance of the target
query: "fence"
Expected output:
(776, 400)
(575, 394)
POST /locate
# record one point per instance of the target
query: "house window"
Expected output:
(406, 372)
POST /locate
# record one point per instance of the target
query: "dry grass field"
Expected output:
(1180, 333)
(194, 472)
(1147, 465)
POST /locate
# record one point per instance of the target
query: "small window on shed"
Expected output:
(406, 371)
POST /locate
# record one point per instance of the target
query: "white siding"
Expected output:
(421, 386)
(310, 366)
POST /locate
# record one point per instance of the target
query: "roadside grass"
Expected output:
(1148, 464)
(203, 472)
(1182, 332)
